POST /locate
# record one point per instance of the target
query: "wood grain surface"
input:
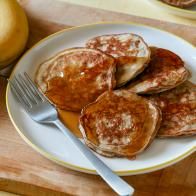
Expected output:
(24, 171)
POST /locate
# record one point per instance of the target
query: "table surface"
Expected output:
(144, 8)
(24, 171)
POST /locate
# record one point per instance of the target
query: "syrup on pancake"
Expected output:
(119, 123)
(130, 51)
(75, 77)
(178, 108)
(165, 71)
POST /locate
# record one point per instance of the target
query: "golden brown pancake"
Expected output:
(178, 108)
(119, 123)
(130, 50)
(75, 77)
(165, 71)
(180, 3)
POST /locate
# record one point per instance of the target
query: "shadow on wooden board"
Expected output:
(21, 188)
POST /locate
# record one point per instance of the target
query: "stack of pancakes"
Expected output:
(126, 92)
(181, 3)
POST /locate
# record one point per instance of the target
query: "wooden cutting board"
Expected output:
(24, 171)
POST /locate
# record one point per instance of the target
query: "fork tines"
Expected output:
(25, 90)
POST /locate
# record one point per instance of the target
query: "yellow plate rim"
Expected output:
(75, 167)
(160, 3)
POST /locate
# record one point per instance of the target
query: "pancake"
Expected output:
(130, 50)
(75, 77)
(178, 108)
(119, 123)
(165, 71)
(180, 3)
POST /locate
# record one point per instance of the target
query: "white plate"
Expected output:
(183, 12)
(52, 144)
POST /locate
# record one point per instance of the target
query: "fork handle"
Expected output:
(114, 181)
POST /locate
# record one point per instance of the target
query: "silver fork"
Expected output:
(42, 111)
